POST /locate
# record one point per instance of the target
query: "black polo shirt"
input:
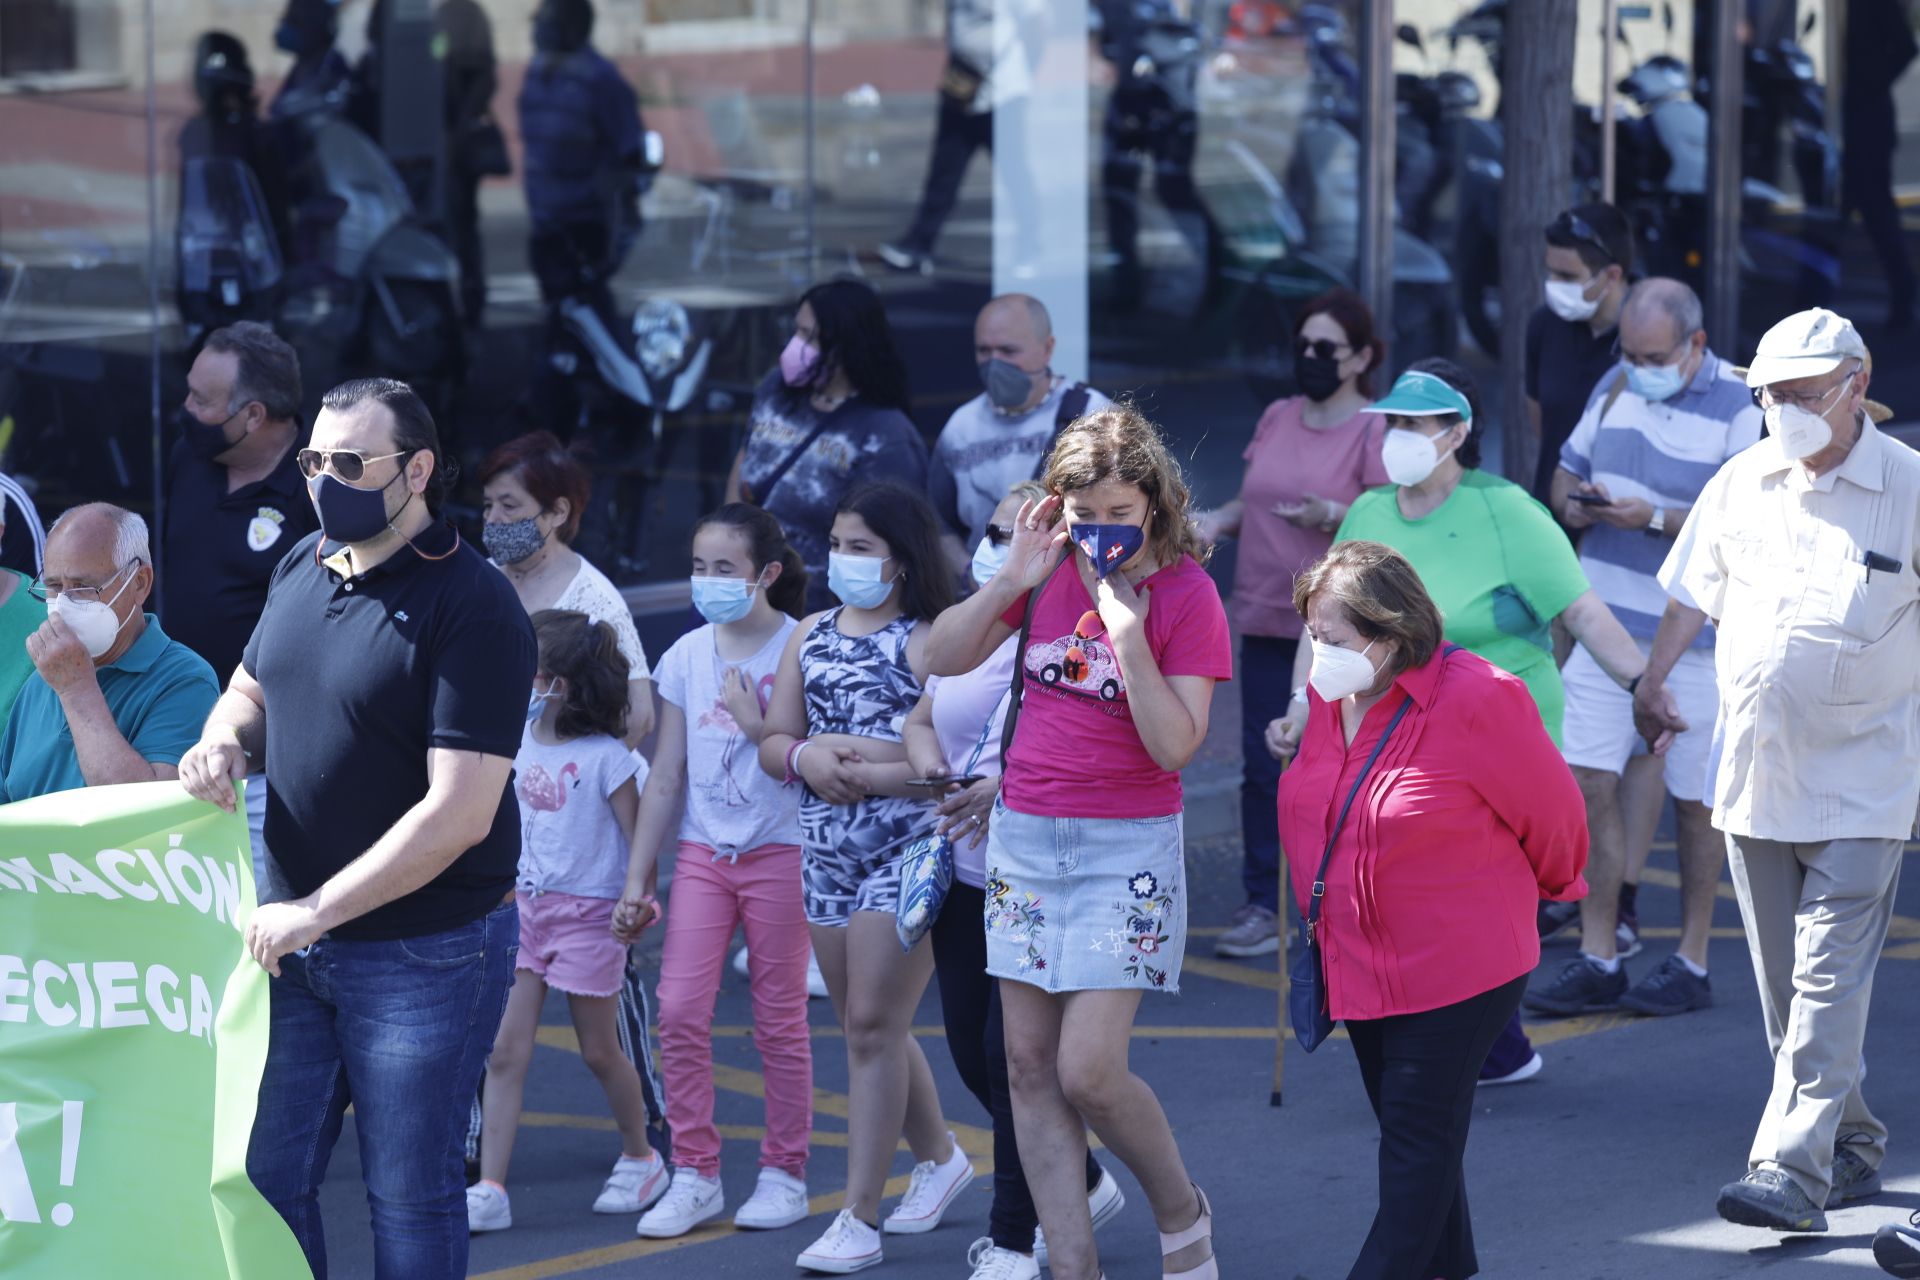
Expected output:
(362, 676)
(1566, 360)
(219, 550)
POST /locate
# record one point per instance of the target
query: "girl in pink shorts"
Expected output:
(578, 784)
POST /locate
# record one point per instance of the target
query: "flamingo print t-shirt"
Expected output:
(1076, 752)
(732, 806)
(570, 840)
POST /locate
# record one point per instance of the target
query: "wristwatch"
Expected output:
(1658, 524)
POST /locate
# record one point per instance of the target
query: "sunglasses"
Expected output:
(1319, 348)
(1000, 534)
(348, 464)
(1580, 229)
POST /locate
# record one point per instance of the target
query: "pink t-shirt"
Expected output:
(1286, 461)
(1075, 751)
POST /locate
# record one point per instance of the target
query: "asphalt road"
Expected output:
(1604, 1167)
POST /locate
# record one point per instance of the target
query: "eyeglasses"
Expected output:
(1000, 535)
(1577, 227)
(1642, 362)
(348, 464)
(1319, 348)
(1814, 402)
(87, 595)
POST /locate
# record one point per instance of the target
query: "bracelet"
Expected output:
(1300, 695)
(1634, 683)
(793, 758)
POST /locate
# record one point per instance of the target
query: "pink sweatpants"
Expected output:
(708, 898)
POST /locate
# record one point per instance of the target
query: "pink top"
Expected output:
(1469, 817)
(1075, 752)
(1286, 461)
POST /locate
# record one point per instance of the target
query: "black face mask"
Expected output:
(1318, 376)
(348, 514)
(205, 440)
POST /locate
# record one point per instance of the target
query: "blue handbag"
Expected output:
(926, 873)
(1306, 977)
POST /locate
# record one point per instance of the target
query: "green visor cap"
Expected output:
(1422, 395)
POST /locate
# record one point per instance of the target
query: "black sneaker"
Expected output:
(1579, 987)
(1552, 917)
(1769, 1198)
(1853, 1177)
(1670, 989)
(1897, 1249)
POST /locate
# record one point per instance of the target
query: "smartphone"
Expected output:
(938, 784)
(1590, 499)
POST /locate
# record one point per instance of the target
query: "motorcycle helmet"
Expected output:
(222, 76)
(562, 26)
(307, 27)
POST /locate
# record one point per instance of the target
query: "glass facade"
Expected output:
(1171, 177)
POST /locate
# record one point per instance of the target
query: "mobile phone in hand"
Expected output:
(1590, 499)
(938, 784)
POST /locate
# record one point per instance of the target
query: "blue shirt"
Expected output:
(159, 693)
(578, 119)
(1664, 452)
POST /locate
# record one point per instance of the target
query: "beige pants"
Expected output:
(1816, 916)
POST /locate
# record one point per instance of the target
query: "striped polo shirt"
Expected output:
(1664, 451)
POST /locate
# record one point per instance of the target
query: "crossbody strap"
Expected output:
(1320, 876)
(1016, 692)
(758, 494)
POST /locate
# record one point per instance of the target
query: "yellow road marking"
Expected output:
(1228, 971)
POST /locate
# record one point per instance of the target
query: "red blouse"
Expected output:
(1469, 817)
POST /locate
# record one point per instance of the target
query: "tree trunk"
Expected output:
(1536, 109)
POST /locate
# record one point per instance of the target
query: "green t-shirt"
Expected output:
(1497, 565)
(20, 617)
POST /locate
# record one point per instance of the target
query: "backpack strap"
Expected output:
(1073, 407)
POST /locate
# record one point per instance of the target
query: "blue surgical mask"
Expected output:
(1108, 546)
(722, 600)
(1655, 382)
(988, 559)
(537, 703)
(857, 580)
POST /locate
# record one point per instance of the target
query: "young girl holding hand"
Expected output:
(578, 784)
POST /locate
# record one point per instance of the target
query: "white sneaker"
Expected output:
(1104, 1202)
(779, 1200)
(848, 1245)
(488, 1208)
(929, 1191)
(690, 1201)
(633, 1185)
(990, 1262)
(816, 985)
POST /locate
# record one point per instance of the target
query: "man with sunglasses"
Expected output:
(1570, 339)
(1804, 552)
(1650, 439)
(387, 683)
(112, 697)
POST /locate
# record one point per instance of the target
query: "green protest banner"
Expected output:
(133, 1031)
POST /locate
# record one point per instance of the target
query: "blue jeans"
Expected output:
(402, 1030)
(1265, 678)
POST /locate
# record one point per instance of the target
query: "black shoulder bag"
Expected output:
(1073, 406)
(1306, 978)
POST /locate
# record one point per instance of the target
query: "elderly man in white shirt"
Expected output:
(1804, 551)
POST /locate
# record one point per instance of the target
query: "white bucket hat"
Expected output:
(1805, 345)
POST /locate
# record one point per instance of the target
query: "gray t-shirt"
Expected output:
(570, 840)
(981, 453)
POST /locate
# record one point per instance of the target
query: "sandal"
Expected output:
(1202, 1229)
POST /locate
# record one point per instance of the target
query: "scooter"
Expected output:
(371, 284)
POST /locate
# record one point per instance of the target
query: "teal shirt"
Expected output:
(159, 694)
(20, 617)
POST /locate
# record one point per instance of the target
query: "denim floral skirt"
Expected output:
(1086, 904)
